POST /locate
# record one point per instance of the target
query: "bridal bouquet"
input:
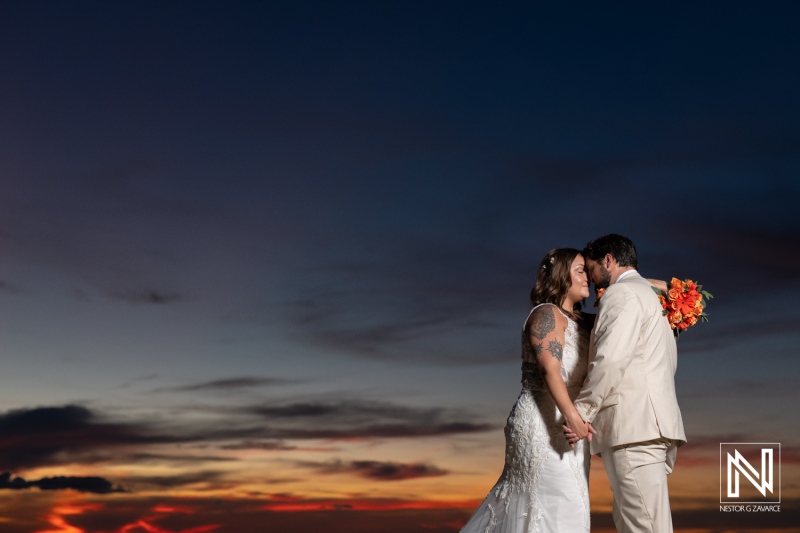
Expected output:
(684, 304)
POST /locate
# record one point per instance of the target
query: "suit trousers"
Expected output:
(638, 476)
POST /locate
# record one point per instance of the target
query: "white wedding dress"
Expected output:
(545, 483)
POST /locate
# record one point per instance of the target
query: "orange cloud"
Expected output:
(62, 525)
(174, 509)
(56, 518)
(289, 503)
(144, 524)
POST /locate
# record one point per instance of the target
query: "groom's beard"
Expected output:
(605, 278)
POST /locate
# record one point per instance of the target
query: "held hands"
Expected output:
(572, 437)
(576, 429)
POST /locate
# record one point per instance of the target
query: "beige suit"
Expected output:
(629, 397)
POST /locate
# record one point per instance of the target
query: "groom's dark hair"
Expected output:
(620, 247)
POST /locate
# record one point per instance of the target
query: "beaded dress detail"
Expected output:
(544, 486)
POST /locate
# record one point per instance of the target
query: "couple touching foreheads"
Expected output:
(591, 384)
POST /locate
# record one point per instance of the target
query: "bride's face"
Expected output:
(579, 289)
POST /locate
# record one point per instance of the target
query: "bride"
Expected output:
(544, 486)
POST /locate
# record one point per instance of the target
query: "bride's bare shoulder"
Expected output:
(544, 320)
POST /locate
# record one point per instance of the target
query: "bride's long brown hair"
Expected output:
(553, 279)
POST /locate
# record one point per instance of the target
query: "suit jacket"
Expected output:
(629, 392)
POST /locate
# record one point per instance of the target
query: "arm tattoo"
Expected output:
(544, 322)
(556, 349)
(537, 349)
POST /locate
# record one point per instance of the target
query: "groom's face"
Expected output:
(599, 274)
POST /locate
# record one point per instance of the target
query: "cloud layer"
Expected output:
(95, 485)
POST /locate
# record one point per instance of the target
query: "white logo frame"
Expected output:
(731, 464)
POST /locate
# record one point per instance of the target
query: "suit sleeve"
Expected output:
(616, 335)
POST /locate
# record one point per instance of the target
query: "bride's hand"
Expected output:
(571, 437)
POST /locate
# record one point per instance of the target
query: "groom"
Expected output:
(628, 397)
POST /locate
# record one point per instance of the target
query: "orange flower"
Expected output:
(685, 307)
(683, 304)
(599, 295)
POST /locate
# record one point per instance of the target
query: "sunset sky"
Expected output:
(264, 265)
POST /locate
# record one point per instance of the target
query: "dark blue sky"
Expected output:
(343, 205)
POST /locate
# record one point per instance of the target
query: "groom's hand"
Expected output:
(591, 431)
